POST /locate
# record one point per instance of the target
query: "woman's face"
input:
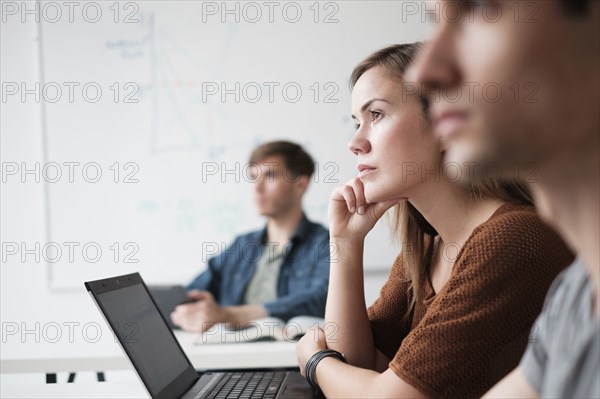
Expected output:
(396, 151)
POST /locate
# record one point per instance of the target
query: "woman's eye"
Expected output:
(375, 115)
(356, 126)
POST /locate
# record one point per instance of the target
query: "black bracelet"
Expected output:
(310, 368)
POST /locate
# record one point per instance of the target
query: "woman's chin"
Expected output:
(374, 196)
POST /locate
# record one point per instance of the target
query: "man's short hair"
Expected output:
(575, 8)
(297, 161)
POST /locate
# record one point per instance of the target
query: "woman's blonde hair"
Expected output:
(408, 224)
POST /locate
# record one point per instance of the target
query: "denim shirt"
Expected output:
(303, 277)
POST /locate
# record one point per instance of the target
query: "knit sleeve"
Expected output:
(387, 313)
(476, 328)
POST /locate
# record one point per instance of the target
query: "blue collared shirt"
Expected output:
(303, 277)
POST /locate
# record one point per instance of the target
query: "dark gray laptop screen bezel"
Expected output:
(182, 382)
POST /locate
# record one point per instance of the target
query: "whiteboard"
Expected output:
(151, 144)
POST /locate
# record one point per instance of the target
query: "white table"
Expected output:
(99, 390)
(53, 358)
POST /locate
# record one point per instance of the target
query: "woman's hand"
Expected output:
(350, 216)
(312, 342)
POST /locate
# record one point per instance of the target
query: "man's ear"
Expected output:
(301, 184)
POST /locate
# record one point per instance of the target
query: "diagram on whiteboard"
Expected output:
(166, 112)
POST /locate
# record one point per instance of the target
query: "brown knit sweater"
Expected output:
(465, 338)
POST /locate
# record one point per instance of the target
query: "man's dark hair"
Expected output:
(297, 161)
(575, 8)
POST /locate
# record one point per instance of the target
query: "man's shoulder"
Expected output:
(567, 294)
(318, 229)
(314, 232)
(568, 283)
(250, 236)
(314, 235)
(569, 339)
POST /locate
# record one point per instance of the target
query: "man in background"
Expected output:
(279, 271)
(544, 127)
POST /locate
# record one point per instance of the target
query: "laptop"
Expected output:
(167, 297)
(158, 359)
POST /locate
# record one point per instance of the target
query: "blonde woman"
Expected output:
(456, 312)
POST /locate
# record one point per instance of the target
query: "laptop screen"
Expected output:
(145, 336)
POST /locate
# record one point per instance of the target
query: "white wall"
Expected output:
(26, 301)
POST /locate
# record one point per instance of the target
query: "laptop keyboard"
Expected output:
(248, 385)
